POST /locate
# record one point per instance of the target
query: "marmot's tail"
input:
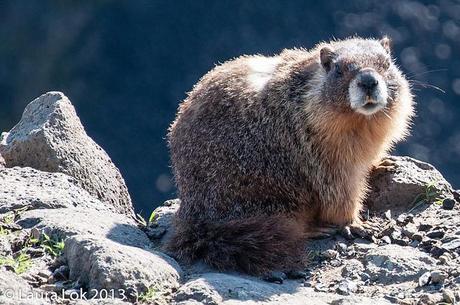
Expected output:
(253, 245)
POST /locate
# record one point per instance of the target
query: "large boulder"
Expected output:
(50, 137)
(404, 184)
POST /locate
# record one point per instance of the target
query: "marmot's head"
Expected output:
(359, 75)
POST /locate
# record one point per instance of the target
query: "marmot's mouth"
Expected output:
(370, 106)
(365, 100)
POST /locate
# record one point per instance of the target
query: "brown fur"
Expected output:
(260, 157)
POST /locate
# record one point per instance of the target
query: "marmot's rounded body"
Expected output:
(266, 148)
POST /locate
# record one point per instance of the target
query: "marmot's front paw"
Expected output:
(359, 229)
(323, 231)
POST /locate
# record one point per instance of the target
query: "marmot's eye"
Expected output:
(338, 70)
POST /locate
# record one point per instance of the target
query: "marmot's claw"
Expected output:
(323, 232)
(362, 229)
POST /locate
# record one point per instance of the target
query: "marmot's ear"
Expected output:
(326, 55)
(385, 41)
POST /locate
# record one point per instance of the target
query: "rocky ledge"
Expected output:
(68, 234)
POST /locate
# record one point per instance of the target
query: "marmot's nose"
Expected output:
(368, 82)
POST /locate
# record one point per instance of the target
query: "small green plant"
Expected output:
(430, 195)
(20, 264)
(141, 220)
(150, 295)
(52, 246)
(4, 232)
(8, 218)
(12, 216)
(152, 217)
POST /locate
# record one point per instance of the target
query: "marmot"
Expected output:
(266, 149)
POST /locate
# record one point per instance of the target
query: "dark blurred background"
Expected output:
(127, 64)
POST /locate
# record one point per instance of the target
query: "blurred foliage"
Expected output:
(127, 64)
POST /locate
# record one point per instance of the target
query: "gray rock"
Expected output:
(2, 162)
(436, 234)
(448, 296)
(330, 254)
(50, 137)
(221, 288)
(397, 189)
(72, 221)
(452, 245)
(104, 264)
(438, 277)
(28, 187)
(424, 279)
(430, 299)
(347, 287)
(161, 227)
(394, 264)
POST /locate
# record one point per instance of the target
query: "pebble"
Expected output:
(321, 287)
(448, 296)
(424, 279)
(396, 234)
(437, 234)
(417, 236)
(437, 251)
(448, 204)
(336, 263)
(424, 227)
(404, 219)
(452, 245)
(330, 253)
(429, 299)
(342, 247)
(438, 277)
(388, 214)
(444, 258)
(409, 230)
(35, 233)
(347, 287)
(71, 293)
(400, 241)
(386, 239)
(346, 232)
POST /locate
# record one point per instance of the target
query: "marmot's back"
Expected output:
(264, 147)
